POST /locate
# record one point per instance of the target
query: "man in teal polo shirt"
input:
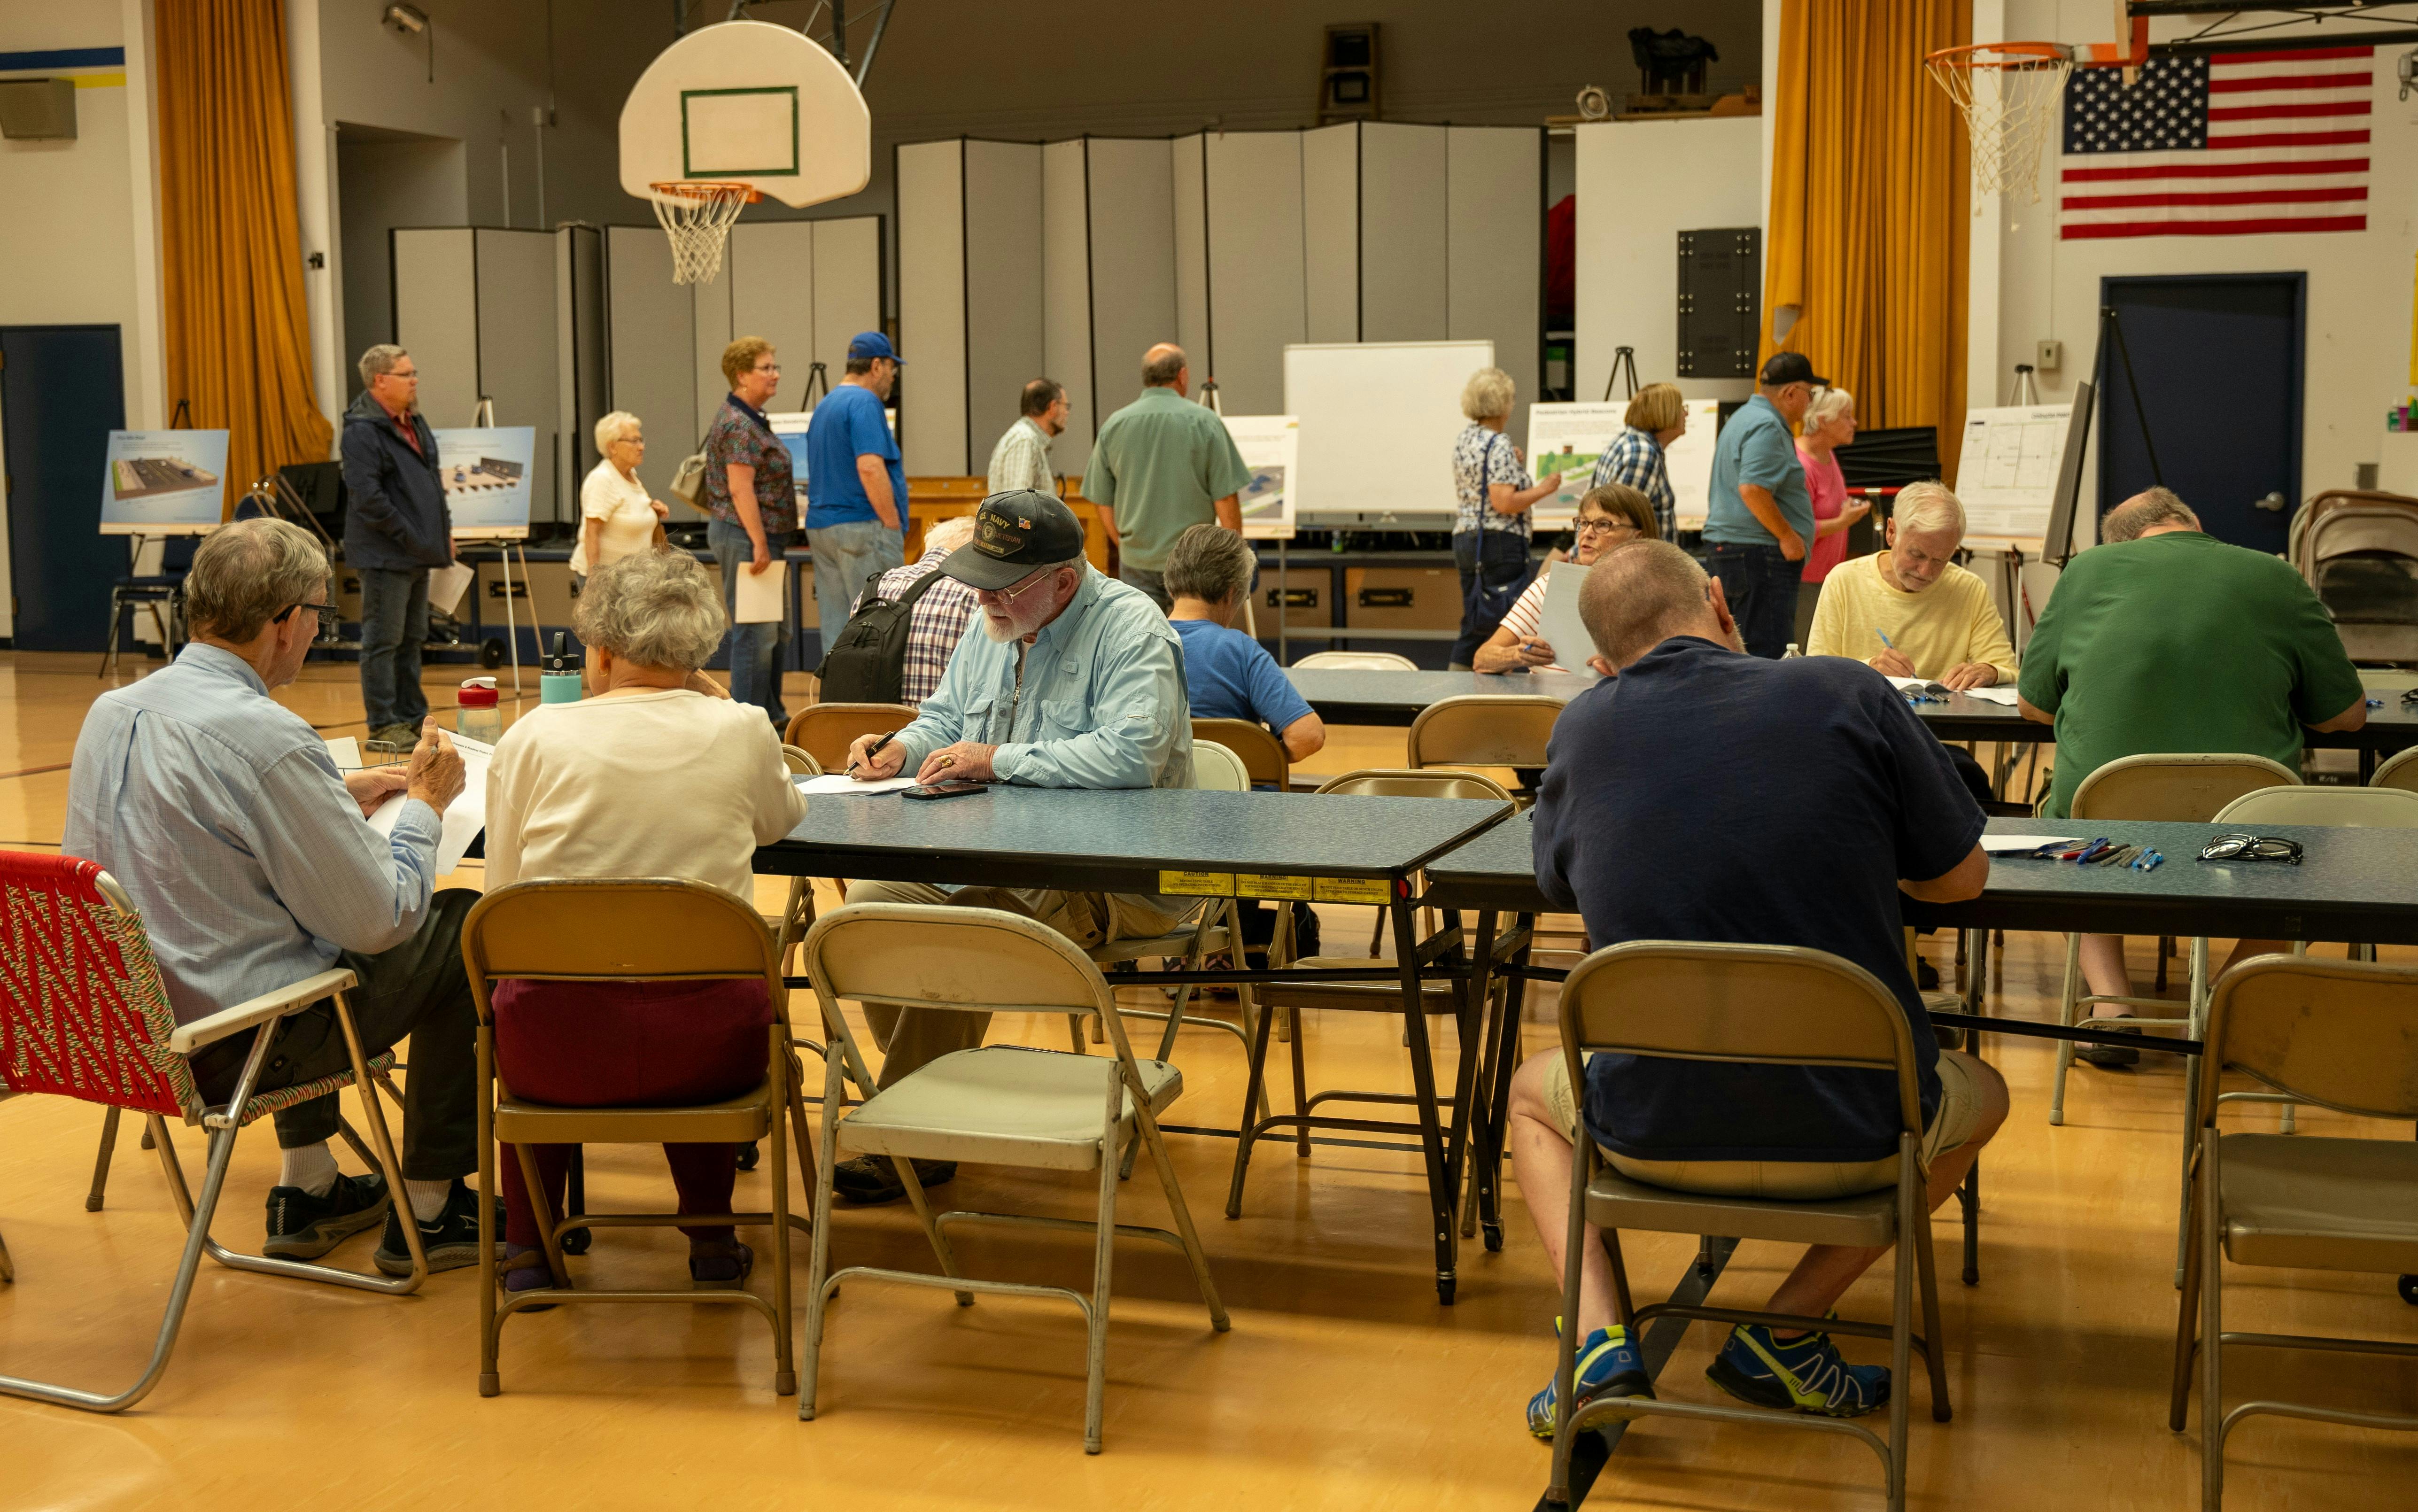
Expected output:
(1161, 466)
(1760, 516)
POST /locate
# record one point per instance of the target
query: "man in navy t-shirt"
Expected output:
(1707, 795)
(1227, 674)
(856, 486)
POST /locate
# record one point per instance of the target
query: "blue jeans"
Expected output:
(394, 625)
(1761, 586)
(845, 557)
(1493, 569)
(758, 652)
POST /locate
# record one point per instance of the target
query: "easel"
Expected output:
(1624, 360)
(818, 386)
(506, 538)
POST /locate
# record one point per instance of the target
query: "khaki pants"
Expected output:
(912, 1037)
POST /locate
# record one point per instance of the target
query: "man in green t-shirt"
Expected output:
(1161, 466)
(2164, 638)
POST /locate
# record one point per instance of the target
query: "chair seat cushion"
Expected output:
(1868, 1218)
(2320, 1204)
(1435, 997)
(1004, 1105)
(738, 1121)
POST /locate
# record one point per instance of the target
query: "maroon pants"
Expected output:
(629, 1044)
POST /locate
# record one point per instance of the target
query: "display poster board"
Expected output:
(1688, 463)
(791, 428)
(485, 471)
(1567, 439)
(163, 482)
(2007, 472)
(1271, 447)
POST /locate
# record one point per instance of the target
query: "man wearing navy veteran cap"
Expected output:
(856, 487)
(1760, 515)
(1074, 681)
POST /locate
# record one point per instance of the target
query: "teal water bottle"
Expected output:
(558, 683)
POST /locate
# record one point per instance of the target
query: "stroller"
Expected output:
(2359, 551)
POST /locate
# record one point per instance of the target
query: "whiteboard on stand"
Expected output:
(1378, 420)
(2006, 473)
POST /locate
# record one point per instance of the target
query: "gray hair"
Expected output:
(1208, 563)
(1826, 404)
(1639, 595)
(247, 573)
(1928, 506)
(1487, 394)
(654, 608)
(609, 429)
(1160, 371)
(2148, 508)
(950, 533)
(378, 361)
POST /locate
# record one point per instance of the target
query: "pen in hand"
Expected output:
(1886, 642)
(870, 752)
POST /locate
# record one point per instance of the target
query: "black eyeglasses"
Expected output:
(2252, 847)
(329, 621)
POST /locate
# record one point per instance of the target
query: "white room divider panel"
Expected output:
(713, 331)
(1194, 330)
(1494, 261)
(518, 351)
(1640, 184)
(436, 317)
(1003, 287)
(1066, 296)
(931, 178)
(848, 286)
(1330, 220)
(579, 355)
(650, 327)
(1402, 214)
(768, 284)
(1255, 267)
(1133, 263)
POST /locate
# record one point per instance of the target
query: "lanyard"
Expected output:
(1016, 697)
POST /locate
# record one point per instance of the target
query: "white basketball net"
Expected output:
(698, 218)
(2012, 110)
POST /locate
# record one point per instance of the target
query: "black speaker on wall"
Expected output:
(1347, 84)
(1721, 298)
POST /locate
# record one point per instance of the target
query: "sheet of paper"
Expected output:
(462, 818)
(839, 784)
(2000, 845)
(1558, 623)
(346, 751)
(446, 585)
(760, 596)
(1993, 696)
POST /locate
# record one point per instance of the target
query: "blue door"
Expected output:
(2218, 359)
(61, 393)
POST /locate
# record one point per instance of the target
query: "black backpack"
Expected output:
(868, 665)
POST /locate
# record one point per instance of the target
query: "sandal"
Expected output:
(719, 1265)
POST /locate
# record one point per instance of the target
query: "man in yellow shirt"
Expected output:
(1910, 611)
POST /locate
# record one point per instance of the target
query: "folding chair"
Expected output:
(825, 731)
(84, 1015)
(640, 929)
(1357, 662)
(2400, 770)
(1265, 758)
(996, 1105)
(2339, 1034)
(1485, 729)
(1761, 1005)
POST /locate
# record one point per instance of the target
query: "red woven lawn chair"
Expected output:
(84, 1015)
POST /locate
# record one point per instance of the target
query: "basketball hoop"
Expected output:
(2009, 95)
(696, 214)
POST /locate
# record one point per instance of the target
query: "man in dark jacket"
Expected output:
(396, 528)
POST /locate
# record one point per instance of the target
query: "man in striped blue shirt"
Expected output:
(253, 865)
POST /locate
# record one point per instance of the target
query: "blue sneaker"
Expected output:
(1804, 1374)
(1608, 1366)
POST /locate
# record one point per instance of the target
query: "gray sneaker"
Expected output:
(396, 736)
(303, 1226)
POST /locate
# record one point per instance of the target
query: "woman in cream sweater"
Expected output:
(656, 774)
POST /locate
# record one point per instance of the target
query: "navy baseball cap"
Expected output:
(1783, 368)
(1015, 534)
(873, 343)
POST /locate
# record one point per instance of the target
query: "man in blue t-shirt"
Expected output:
(856, 488)
(1704, 795)
(1759, 516)
(1227, 674)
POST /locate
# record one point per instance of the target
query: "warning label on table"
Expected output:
(1256, 885)
(1198, 884)
(1354, 889)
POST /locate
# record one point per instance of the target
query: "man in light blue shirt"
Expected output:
(250, 856)
(1759, 517)
(1073, 680)
(856, 486)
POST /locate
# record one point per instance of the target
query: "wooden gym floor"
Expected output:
(1343, 1383)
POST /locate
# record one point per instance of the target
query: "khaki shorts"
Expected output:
(1960, 1109)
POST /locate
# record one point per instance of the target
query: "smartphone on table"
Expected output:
(947, 789)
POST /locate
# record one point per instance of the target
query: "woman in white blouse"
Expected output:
(618, 519)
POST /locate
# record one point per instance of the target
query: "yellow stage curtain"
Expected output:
(1871, 208)
(238, 332)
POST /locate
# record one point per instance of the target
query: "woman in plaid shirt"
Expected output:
(1655, 418)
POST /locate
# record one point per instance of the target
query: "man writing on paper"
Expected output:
(1161, 466)
(2164, 638)
(396, 527)
(1076, 680)
(1021, 459)
(1760, 515)
(1854, 804)
(1910, 611)
(223, 817)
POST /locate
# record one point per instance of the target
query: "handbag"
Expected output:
(688, 482)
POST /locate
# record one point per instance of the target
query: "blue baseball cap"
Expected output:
(873, 343)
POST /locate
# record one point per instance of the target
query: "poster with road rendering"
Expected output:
(163, 482)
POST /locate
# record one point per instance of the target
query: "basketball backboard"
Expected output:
(748, 102)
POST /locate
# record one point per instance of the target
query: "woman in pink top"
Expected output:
(1830, 422)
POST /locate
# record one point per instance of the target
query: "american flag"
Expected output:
(2224, 145)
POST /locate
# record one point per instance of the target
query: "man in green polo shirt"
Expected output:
(1161, 466)
(2164, 638)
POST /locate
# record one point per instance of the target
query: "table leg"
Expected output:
(1470, 1032)
(1441, 1217)
(1498, 1097)
(1481, 1022)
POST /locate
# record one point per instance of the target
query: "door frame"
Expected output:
(2109, 388)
